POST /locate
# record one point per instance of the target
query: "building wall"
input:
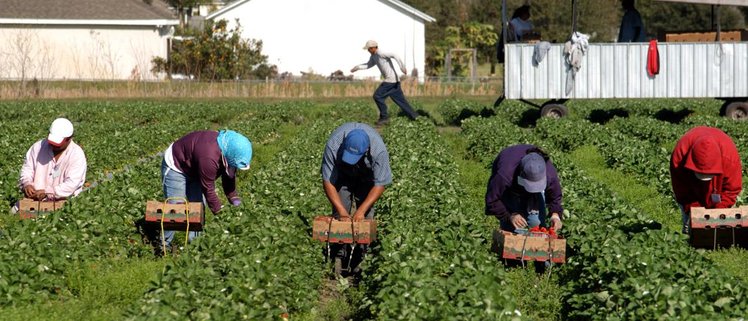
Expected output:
(325, 36)
(79, 52)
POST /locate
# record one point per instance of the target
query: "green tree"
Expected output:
(216, 53)
(660, 17)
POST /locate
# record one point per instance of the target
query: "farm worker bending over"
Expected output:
(523, 182)
(54, 168)
(192, 164)
(355, 167)
(705, 170)
(390, 86)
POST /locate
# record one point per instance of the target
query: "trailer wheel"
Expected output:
(554, 111)
(737, 110)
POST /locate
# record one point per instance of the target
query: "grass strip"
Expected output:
(628, 188)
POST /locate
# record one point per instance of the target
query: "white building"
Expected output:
(323, 36)
(82, 39)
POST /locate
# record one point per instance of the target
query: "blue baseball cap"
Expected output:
(355, 145)
(532, 177)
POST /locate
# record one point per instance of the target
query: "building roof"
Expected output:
(116, 12)
(394, 3)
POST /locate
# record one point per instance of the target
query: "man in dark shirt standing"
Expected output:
(632, 27)
(523, 183)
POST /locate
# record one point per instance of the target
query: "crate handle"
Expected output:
(353, 247)
(327, 234)
(187, 218)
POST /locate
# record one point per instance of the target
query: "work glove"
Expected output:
(236, 201)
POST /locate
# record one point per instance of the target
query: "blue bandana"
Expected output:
(236, 149)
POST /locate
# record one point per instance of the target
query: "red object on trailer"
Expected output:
(653, 59)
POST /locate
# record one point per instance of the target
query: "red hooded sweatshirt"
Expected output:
(706, 150)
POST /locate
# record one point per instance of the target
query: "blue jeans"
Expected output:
(351, 191)
(179, 185)
(685, 219)
(392, 90)
(530, 206)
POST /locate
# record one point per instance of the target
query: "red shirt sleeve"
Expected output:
(732, 178)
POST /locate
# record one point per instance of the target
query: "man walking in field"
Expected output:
(355, 167)
(390, 86)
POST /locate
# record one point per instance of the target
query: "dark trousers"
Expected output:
(394, 91)
(351, 191)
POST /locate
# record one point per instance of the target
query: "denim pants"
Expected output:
(179, 185)
(686, 220)
(531, 207)
(349, 192)
(394, 91)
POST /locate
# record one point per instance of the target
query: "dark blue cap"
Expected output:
(355, 145)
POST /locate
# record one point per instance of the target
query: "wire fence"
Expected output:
(289, 88)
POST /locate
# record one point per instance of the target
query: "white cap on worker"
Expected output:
(704, 177)
(61, 128)
(370, 44)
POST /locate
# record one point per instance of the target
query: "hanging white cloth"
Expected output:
(574, 51)
(539, 52)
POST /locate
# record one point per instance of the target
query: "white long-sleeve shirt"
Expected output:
(59, 178)
(383, 61)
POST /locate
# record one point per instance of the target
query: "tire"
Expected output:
(737, 110)
(724, 107)
(554, 111)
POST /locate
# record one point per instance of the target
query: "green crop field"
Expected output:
(626, 257)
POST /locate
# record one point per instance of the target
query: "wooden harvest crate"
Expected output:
(719, 227)
(529, 247)
(705, 36)
(702, 218)
(328, 229)
(28, 208)
(175, 215)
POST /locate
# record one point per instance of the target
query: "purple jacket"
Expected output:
(198, 156)
(504, 179)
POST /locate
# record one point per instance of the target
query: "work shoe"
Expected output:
(383, 121)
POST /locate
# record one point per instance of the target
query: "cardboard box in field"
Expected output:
(28, 208)
(175, 215)
(705, 36)
(326, 228)
(529, 247)
(719, 227)
(702, 218)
